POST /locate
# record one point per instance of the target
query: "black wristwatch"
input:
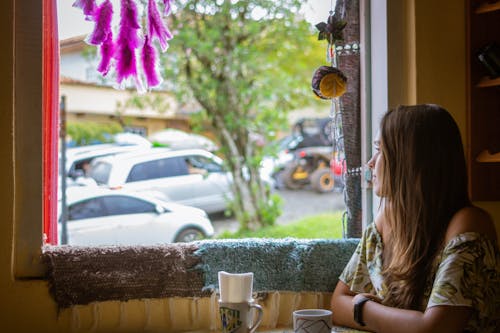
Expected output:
(358, 310)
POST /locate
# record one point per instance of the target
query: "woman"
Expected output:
(430, 261)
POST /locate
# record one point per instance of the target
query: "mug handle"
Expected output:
(257, 308)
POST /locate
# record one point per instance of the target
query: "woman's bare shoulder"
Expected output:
(471, 219)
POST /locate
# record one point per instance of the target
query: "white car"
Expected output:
(78, 157)
(192, 177)
(97, 216)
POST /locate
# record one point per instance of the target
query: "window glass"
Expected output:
(119, 205)
(100, 172)
(86, 209)
(296, 179)
(165, 167)
(202, 162)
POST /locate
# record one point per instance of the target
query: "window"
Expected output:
(100, 172)
(109, 206)
(29, 128)
(165, 167)
(204, 163)
(118, 205)
(87, 209)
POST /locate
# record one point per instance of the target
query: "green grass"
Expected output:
(316, 226)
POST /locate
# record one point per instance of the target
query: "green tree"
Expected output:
(246, 63)
(84, 133)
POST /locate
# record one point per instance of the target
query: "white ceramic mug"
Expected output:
(312, 321)
(235, 287)
(239, 317)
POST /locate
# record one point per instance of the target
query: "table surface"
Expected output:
(290, 330)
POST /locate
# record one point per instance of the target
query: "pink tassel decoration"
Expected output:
(107, 50)
(88, 7)
(156, 27)
(102, 28)
(168, 7)
(149, 63)
(127, 42)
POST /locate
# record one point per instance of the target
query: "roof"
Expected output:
(72, 44)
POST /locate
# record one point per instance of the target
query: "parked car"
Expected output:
(191, 177)
(177, 139)
(78, 158)
(99, 216)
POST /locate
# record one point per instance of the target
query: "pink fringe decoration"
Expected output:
(149, 63)
(102, 28)
(168, 7)
(107, 50)
(156, 27)
(88, 7)
(127, 42)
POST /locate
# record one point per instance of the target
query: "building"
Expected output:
(80, 83)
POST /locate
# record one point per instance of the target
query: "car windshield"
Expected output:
(100, 172)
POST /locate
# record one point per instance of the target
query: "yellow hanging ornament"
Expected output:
(329, 82)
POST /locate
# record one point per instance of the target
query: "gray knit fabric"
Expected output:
(285, 265)
(81, 275)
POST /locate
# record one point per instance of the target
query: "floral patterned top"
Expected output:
(467, 273)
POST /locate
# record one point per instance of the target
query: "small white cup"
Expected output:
(312, 321)
(239, 317)
(235, 287)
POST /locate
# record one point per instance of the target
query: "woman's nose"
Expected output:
(371, 162)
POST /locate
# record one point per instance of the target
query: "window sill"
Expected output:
(82, 275)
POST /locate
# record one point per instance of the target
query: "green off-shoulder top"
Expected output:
(466, 273)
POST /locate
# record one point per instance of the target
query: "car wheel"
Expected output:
(289, 180)
(322, 180)
(189, 235)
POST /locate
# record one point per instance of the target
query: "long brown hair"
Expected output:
(424, 184)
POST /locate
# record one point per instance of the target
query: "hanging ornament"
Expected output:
(328, 82)
(332, 30)
(123, 52)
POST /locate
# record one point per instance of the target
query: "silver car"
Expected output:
(97, 216)
(191, 177)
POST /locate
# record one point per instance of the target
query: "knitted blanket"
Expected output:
(81, 275)
(278, 264)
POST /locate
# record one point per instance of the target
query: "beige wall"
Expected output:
(90, 103)
(436, 63)
(427, 60)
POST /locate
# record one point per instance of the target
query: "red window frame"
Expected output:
(50, 98)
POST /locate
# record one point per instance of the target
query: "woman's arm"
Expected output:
(342, 307)
(384, 319)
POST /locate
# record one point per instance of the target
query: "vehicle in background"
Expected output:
(192, 177)
(305, 157)
(99, 216)
(318, 167)
(177, 139)
(78, 159)
(305, 133)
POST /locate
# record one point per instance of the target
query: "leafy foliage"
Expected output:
(84, 133)
(246, 63)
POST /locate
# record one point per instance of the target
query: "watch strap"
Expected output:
(358, 310)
